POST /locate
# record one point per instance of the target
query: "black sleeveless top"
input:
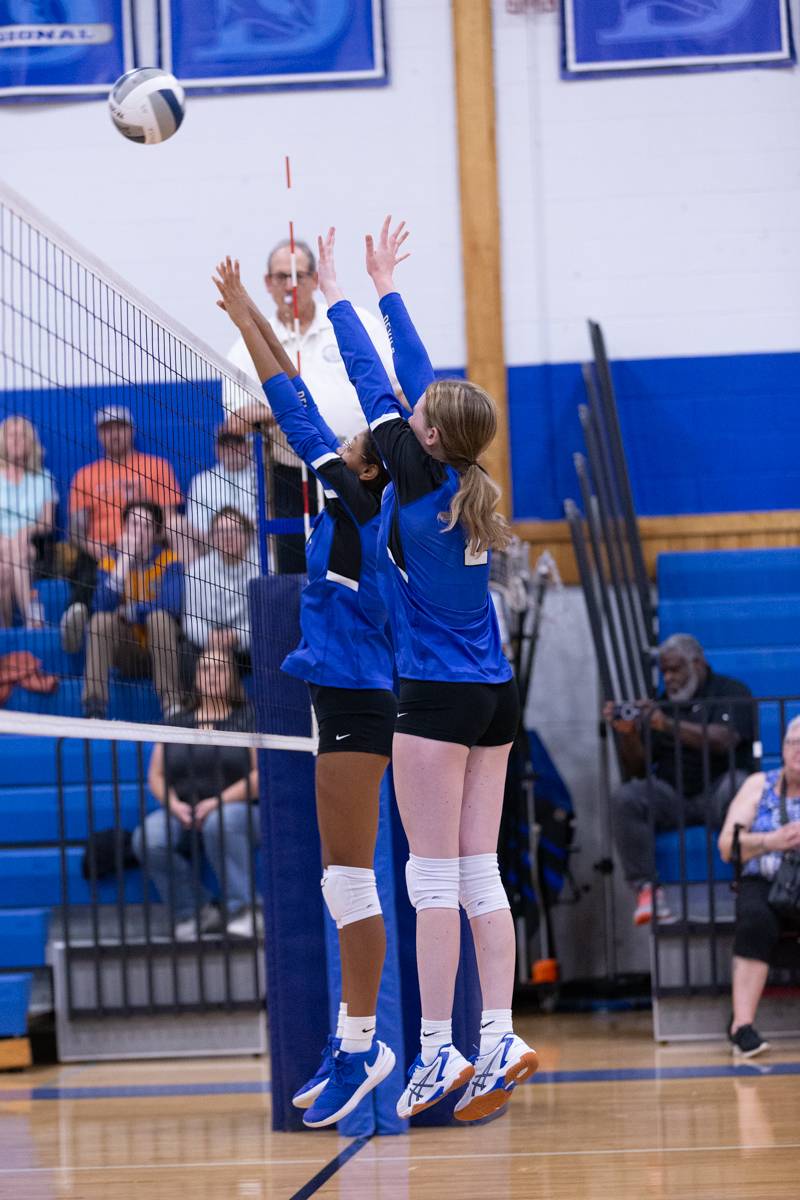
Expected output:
(199, 771)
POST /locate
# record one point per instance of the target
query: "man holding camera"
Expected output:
(698, 707)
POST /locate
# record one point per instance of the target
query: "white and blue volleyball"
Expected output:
(147, 105)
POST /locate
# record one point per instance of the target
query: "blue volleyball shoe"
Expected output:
(352, 1077)
(305, 1096)
(431, 1082)
(497, 1073)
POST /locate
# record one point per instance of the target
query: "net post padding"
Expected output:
(294, 936)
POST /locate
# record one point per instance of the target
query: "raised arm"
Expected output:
(259, 335)
(361, 359)
(290, 402)
(411, 362)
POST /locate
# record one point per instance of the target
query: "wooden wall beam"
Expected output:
(707, 531)
(480, 219)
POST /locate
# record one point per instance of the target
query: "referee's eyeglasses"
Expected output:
(282, 279)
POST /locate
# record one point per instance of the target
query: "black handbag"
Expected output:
(784, 895)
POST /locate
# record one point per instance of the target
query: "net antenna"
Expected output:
(296, 337)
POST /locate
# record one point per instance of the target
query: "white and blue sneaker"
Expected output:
(305, 1096)
(352, 1077)
(429, 1083)
(497, 1073)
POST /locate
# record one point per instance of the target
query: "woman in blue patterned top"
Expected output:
(763, 840)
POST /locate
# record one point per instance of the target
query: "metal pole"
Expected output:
(595, 622)
(623, 478)
(590, 508)
(625, 617)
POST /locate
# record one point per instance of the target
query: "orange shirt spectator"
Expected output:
(101, 489)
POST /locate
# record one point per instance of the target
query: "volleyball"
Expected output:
(147, 105)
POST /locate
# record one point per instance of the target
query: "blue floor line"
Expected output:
(263, 1088)
(321, 1178)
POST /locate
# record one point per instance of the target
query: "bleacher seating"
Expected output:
(744, 606)
(31, 882)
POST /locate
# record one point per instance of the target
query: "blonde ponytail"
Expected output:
(466, 418)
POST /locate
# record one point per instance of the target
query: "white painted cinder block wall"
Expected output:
(162, 215)
(668, 207)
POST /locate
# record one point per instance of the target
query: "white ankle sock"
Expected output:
(357, 1034)
(433, 1035)
(495, 1022)
(340, 1019)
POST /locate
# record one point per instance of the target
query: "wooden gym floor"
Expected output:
(609, 1116)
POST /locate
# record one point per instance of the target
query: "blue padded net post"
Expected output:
(297, 994)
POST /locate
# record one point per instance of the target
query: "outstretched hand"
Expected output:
(326, 267)
(385, 256)
(235, 300)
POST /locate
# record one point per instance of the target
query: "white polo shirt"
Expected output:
(322, 368)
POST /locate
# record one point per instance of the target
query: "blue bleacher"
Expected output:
(31, 872)
(744, 607)
(15, 991)
(23, 937)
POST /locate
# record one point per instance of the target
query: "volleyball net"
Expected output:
(151, 535)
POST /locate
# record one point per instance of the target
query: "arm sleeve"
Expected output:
(411, 362)
(106, 598)
(413, 471)
(198, 604)
(168, 597)
(308, 442)
(313, 413)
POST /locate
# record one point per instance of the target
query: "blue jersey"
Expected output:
(443, 621)
(343, 618)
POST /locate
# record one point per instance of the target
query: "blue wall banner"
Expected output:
(637, 35)
(247, 44)
(67, 48)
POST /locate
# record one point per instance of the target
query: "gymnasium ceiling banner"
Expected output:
(612, 36)
(236, 45)
(63, 48)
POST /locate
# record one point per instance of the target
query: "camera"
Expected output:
(626, 712)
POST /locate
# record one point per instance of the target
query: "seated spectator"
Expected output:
(216, 600)
(137, 603)
(209, 797)
(763, 840)
(28, 499)
(98, 497)
(699, 694)
(231, 483)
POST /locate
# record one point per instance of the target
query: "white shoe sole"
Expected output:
(308, 1098)
(386, 1066)
(737, 1053)
(486, 1103)
(464, 1075)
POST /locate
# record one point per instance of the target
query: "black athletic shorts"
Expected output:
(472, 714)
(354, 719)
(758, 927)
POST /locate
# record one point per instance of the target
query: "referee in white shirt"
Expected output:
(322, 369)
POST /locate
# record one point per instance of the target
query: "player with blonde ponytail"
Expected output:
(458, 709)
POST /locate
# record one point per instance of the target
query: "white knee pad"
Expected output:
(481, 889)
(432, 882)
(351, 894)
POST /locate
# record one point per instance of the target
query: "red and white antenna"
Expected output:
(296, 335)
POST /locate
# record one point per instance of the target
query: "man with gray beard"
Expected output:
(697, 705)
